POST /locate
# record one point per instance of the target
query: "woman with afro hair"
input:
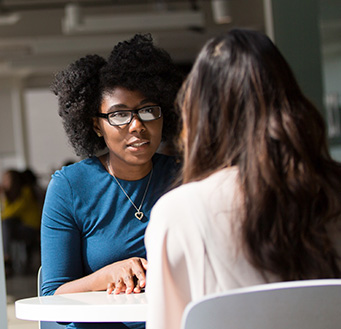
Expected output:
(115, 114)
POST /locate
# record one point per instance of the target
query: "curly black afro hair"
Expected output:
(135, 65)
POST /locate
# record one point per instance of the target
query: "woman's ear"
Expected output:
(96, 127)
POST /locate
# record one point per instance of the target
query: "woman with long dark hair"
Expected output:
(260, 200)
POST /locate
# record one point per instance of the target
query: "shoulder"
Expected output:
(165, 170)
(81, 173)
(219, 183)
(198, 209)
(164, 162)
(215, 194)
(26, 191)
(83, 169)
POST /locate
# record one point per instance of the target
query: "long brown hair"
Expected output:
(241, 105)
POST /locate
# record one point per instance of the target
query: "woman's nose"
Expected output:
(136, 124)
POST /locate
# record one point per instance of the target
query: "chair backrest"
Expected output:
(39, 282)
(311, 304)
(45, 324)
(3, 297)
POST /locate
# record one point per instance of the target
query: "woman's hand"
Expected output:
(127, 276)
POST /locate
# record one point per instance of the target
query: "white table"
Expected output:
(84, 307)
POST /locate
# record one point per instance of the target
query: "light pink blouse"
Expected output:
(193, 247)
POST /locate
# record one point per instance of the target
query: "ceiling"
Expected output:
(38, 37)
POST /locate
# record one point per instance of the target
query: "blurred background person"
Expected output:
(31, 180)
(21, 215)
(260, 200)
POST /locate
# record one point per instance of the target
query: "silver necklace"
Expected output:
(138, 214)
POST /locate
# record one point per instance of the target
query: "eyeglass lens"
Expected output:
(144, 114)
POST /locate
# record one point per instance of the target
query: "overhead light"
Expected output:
(221, 11)
(9, 19)
(74, 22)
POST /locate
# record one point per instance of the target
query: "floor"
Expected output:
(18, 287)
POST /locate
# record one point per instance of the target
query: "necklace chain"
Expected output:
(139, 214)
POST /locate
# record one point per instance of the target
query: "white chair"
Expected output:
(46, 324)
(3, 298)
(311, 304)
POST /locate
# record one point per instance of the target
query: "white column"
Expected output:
(19, 126)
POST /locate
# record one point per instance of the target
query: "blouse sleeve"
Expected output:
(60, 237)
(171, 263)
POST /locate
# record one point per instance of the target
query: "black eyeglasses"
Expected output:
(119, 118)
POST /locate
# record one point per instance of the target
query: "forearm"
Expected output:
(96, 281)
(124, 276)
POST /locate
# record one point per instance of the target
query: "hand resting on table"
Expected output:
(126, 276)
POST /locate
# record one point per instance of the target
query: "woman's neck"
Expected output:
(128, 172)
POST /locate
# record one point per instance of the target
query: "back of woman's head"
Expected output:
(241, 90)
(242, 106)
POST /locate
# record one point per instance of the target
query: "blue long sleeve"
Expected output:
(89, 223)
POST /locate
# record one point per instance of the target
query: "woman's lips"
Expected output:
(138, 145)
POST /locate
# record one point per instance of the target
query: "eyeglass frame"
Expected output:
(132, 113)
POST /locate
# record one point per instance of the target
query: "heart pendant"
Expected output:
(139, 215)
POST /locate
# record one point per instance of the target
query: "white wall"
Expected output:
(48, 148)
(6, 122)
(9, 140)
(31, 132)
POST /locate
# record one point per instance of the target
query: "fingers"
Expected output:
(138, 287)
(140, 273)
(128, 276)
(141, 279)
(120, 286)
(144, 263)
(116, 287)
(110, 288)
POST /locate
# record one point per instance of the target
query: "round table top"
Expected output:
(96, 306)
